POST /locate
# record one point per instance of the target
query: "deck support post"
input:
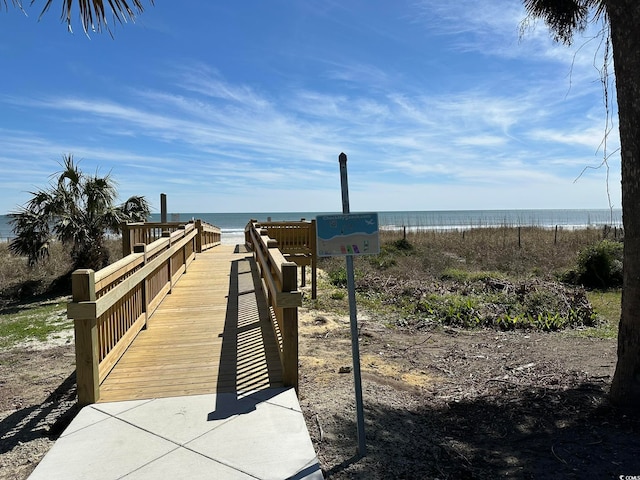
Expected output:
(290, 328)
(83, 289)
(314, 260)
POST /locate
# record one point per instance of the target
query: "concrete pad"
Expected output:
(284, 397)
(173, 466)
(271, 442)
(106, 450)
(85, 418)
(178, 419)
(116, 408)
(259, 436)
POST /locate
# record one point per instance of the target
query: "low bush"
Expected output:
(482, 279)
(598, 266)
(529, 305)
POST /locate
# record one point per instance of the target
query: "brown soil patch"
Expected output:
(459, 404)
(37, 400)
(441, 404)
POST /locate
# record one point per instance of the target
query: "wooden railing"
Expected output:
(297, 241)
(147, 232)
(280, 278)
(111, 306)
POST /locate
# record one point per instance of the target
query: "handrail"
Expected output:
(148, 232)
(281, 280)
(297, 241)
(110, 307)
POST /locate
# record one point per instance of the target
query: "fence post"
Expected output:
(83, 288)
(519, 237)
(290, 328)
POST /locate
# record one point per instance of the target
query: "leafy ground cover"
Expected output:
(484, 278)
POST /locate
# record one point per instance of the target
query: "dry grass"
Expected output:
(515, 252)
(19, 282)
(504, 277)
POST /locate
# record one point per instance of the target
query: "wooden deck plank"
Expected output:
(210, 334)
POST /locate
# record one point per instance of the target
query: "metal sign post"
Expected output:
(355, 347)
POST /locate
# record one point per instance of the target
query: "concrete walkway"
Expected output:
(215, 436)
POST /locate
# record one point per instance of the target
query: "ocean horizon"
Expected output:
(232, 224)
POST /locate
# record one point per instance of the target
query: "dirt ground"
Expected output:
(446, 404)
(453, 404)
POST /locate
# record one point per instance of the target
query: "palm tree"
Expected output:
(93, 13)
(565, 18)
(78, 210)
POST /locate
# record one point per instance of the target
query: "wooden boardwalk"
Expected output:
(212, 334)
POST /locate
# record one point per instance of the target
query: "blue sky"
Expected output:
(245, 106)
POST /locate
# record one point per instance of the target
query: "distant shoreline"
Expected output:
(232, 224)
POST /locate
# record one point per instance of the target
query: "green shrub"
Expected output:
(402, 245)
(534, 307)
(382, 261)
(599, 266)
(459, 275)
(452, 309)
(338, 295)
(338, 277)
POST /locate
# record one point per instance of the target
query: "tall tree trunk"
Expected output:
(624, 16)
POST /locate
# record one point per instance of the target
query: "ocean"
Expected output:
(232, 224)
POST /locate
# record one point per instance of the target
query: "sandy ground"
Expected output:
(438, 404)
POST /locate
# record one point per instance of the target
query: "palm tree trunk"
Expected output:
(624, 17)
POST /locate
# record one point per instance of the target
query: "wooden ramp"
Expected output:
(212, 334)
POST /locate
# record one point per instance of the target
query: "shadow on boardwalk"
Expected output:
(249, 352)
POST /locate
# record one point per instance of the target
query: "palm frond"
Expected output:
(100, 193)
(136, 209)
(565, 17)
(32, 235)
(93, 13)
(15, 3)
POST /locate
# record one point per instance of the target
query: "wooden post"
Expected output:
(519, 237)
(199, 236)
(83, 287)
(290, 329)
(163, 208)
(314, 260)
(126, 239)
(555, 237)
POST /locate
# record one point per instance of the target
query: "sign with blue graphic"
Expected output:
(347, 234)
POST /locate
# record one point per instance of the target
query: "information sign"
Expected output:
(347, 234)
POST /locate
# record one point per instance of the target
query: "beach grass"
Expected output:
(505, 277)
(415, 279)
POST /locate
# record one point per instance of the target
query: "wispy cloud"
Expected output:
(454, 98)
